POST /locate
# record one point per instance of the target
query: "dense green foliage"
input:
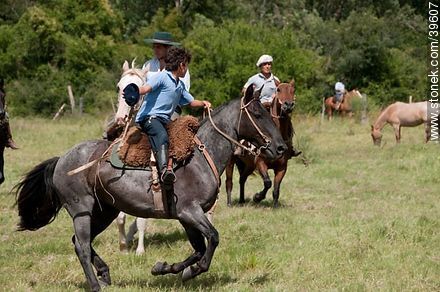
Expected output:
(373, 45)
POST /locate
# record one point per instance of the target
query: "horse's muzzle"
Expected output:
(287, 107)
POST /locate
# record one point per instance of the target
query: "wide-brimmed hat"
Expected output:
(162, 37)
(264, 59)
(131, 94)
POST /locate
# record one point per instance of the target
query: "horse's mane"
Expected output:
(217, 110)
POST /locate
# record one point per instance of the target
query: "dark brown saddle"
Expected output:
(136, 149)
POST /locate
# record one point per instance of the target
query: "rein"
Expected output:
(249, 149)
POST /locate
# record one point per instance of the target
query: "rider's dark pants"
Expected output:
(154, 127)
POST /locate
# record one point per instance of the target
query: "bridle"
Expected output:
(244, 107)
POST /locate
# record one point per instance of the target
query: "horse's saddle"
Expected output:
(134, 151)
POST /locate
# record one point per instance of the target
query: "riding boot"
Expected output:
(10, 143)
(166, 174)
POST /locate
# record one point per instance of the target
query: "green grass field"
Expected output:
(358, 218)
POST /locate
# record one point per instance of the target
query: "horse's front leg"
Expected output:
(397, 132)
(141, 226)
(198, 228)
(279, 175)
(120, 221)
(263, 170)
(229, 183)
(2, 163)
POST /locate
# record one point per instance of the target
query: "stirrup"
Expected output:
(168, 177)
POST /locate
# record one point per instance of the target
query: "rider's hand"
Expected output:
(207, 104)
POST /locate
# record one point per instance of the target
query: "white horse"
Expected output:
(137, 76)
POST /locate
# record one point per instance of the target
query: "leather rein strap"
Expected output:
(208, 158)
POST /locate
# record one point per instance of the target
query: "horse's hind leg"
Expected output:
(83, 248)
(198, 243)
(101, 219)
(263, 170)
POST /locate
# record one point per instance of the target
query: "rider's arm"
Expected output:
(200, 103)
(145, 89)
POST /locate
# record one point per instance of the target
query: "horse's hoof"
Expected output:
(123, 247)
(258, 198)
(187, 273)
(276, 205)
(158, 268)
(104, 279)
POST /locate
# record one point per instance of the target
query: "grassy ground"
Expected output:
(357, 218)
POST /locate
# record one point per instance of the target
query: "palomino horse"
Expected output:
(345, 107)
(3, 129)
(280, 109)
(398, 115)
(94, 197)
(138, 77)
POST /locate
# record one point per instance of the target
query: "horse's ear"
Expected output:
(257, 93)
(372, 127)
(133, 63)
(249, 94)
(292, 82)
(125, 66)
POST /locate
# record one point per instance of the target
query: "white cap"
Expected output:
(264, 59)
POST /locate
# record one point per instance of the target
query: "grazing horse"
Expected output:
(94, 196)
(3, 129)
(345, 107)
(280, 109)
(398, 115)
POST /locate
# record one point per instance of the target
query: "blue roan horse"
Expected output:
(94, 197)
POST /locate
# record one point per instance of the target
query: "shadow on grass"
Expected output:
(266, 203)
(173, 282)
(159, 239)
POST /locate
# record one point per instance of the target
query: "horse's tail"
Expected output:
(37, 200)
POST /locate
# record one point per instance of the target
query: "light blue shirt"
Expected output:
(269, 88)
(166, 94)
(153, 67)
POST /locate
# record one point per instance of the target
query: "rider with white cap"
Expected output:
(270, 82)
(266, 78)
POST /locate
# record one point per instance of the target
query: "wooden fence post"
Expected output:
(71, 98)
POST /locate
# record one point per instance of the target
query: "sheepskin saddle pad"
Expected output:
(136, 150)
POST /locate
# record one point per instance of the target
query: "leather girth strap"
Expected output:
(208, 158)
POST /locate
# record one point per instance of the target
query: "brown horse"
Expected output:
(398, 115)
(280, 109)
(345, 107)
(4, 129)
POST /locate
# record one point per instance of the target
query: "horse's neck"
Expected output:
(286, 129)
(382, 119)
(219, 148)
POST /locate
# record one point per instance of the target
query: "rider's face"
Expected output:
(160, 51)
(183, 67)
(266, 68)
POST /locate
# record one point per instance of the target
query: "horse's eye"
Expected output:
(278, 90)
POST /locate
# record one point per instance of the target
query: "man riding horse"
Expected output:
(165, 91)
(268, 84)
(339, 94)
